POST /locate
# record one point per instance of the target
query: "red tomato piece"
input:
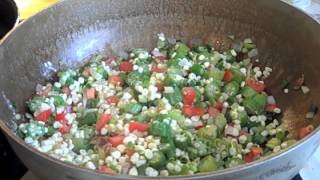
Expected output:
(60, 116)
(126, 66)
(91, 93)
(218, 105)
(256, 151)
(227, 75)
(115, 80)
(193, 111)
(187, 110)
(65, 127)
(112, 100)
(104, 119)
(139, 126)
(198, 111)
(257, 86)
(248, 158)
(303, 132)
(106, 169)
(129, 152)
(116, 140)
(253, 154)
(270, 107)
(156, 69)
(213, 112)
(189, 95)
(44, 116)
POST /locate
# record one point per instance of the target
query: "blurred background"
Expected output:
(30, 7)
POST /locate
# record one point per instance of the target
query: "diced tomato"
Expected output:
(303, 132)
(116, 140)
(129, 152)
(193, 111)
(213, 112)
(270, 107)
(60, 116)
(256, 151)
(155, 68)
(126, 66)
(112, 100)
(139, 126)
(227, 75)
(218, 105)
(104, 119)
(189, 95)
(256, 85)
(198, 111)
(66, 90)
(187, 110)
(248, 158)
(106, 169)
(253, 154)
(65, 127)
(115, 79)
(44, 116)
(91, 93)
(109, 60)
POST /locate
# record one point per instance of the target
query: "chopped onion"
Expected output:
(305, 89)
(231, 131)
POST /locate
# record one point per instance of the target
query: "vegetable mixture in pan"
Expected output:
(177, 110)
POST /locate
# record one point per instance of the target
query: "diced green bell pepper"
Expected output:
(208, 164)
(248, 92)
(273, 142)
(58, 101)
(89, 117)
(210, 131)
(215, 74)
(220, 121)
(183, 140)
(158, 160)
(175, 97)
(92, 103)
(212, 92)
(197, 69)
(181, 50)
(232, 88)
(133, 108)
